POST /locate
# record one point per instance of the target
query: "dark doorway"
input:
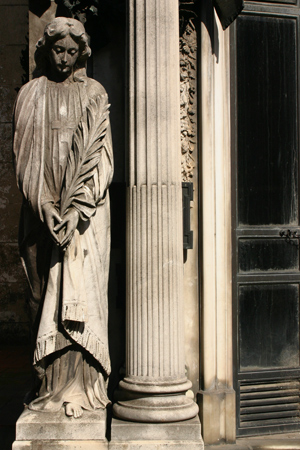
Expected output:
(265, 131)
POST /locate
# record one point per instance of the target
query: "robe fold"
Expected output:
(69, 289)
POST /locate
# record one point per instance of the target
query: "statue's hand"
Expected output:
(52, 218)
(68, 225)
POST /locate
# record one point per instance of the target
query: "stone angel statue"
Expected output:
(64, 166)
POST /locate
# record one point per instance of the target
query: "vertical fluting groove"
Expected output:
(153, 269)
(155, 257)
(132, 97)
(149, 143)
(165, 279)
(161, 166)
(139, 287)
(180, 281)
(157, 92)
(150, 269)
(141, 111)
(161, 299)
(174, 299)
(150, 298)
(171, 297)
(170, 279)
(155, 292)
(168, 101)
(135, 281)
(164, 84)
(144, 285)
(148, 80)
(129, 277)
(176, 277)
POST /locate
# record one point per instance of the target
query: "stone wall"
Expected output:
(13, 73)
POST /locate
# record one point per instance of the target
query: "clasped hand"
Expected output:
(61, 229)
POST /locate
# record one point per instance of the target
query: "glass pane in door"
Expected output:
(268, 326)
(267, 120)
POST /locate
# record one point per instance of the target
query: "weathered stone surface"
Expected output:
(9, 220)
(10, 204)
(60, 445)
(14, 3)
(14, 332)
(8, 95)
(9, 192)
(13, 308)
(11, 70)
(14, 317)
(12, 295)
(5, 142)
(155, 445)
(10, 263)
(36, 426)
(16, 23)
(130, 431)
(216, 244)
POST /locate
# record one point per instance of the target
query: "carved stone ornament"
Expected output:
(64, 165)
(80, 9)
(188, 99)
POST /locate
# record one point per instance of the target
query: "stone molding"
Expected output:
(216, 340)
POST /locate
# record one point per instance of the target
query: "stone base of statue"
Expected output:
(156, 436)
(56, 431)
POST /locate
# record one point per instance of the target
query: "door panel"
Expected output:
(265, 131)
(267, 254)
(268, 326)
(267, 120)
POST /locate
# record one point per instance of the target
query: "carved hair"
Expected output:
(59, 28)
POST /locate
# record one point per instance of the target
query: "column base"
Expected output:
(154, 402)
(162, 436)
(162, 409)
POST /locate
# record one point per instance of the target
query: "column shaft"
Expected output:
(155, 383)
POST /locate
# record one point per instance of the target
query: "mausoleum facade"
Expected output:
(203, 292)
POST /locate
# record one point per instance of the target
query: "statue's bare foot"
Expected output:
(73, 410)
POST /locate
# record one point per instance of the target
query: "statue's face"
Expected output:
(63, 56)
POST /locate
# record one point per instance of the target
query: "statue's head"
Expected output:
(64, 48)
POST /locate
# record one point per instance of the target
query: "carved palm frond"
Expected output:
(85, 154)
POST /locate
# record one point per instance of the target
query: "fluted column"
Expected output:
(155, 383)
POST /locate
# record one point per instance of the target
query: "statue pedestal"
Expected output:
(56, 431)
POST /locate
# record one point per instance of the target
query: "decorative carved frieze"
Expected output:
(80, 9)
(188, 87)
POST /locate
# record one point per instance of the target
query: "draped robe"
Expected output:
(68, 289)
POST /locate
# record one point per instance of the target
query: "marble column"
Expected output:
(155, 384)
